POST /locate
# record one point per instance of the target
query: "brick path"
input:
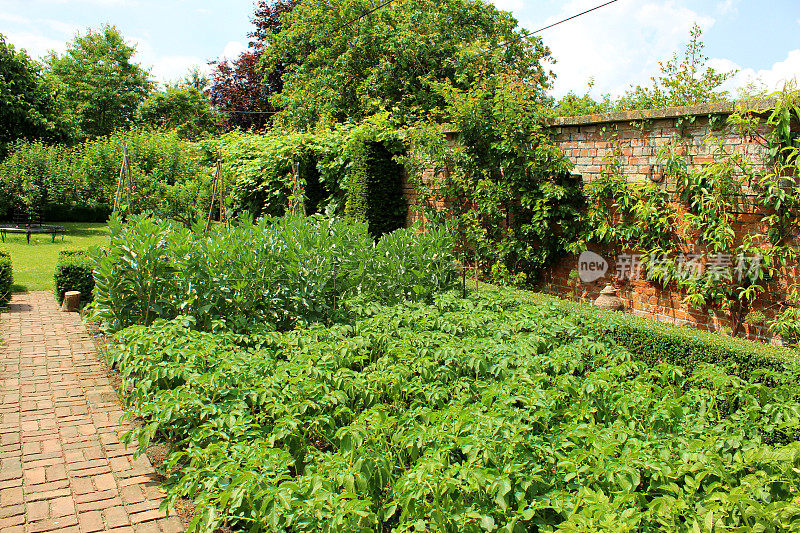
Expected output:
(62, 464)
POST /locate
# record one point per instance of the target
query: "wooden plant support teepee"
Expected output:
(218, 186)
(298, 193)
(125, 182)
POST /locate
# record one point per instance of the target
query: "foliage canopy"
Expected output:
(31, 104)
(347, 62)
(100, 81)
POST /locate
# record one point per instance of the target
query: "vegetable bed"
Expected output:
(462, 415)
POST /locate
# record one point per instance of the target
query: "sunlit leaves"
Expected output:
(460, 415)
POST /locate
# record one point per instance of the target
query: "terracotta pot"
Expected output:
(609, 300)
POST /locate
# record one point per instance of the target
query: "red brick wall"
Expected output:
(637, 138)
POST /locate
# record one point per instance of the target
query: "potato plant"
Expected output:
(477, 414)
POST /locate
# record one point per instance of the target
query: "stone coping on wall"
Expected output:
(717, 108)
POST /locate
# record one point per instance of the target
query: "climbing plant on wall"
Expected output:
(727, 271)
(506, 186)
(349, 168)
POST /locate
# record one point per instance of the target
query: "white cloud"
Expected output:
(36, 45)
(772, 79)
(618, 45)
(232, 51)
(62, 27)
(173, 68)
(726, 7)
(14, 19)
(509, 5)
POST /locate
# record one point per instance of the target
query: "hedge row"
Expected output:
(652, 341)
(74, 272)
(375, 190)
(6, 277)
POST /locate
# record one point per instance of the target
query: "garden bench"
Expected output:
(30, 223)
(30, 230)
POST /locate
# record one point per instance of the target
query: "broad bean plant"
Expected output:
(275, 273)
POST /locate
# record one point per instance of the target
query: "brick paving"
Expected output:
(63, 466)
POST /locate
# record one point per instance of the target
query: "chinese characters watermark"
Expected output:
(592, 266)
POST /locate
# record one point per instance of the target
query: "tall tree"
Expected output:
(102, 83)
(240, 92)
(349, 60)
(184, 106)
(685, 79)
(31, 106)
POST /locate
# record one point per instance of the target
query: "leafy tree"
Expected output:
(684, 80)
(31, 106)
(349, 61)
(240, 91)
(102, 84)
(184, 106)
(267, 20)
(240, 94)
(573, 105)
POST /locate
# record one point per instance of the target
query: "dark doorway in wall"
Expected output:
(316, 192)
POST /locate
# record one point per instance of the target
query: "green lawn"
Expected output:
(35, 263)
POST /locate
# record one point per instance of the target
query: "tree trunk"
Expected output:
(72, 301)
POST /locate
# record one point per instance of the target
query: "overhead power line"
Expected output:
(572, 17)
(368, 13)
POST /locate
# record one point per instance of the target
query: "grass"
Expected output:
(35, 263)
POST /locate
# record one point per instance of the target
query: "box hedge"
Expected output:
(74, 272)
(6, 277)
(653, 341)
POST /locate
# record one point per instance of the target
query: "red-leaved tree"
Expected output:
(239, 90)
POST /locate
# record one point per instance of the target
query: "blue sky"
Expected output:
(618, 45)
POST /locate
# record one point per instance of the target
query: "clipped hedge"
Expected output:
(375, 194)
(74, 272)
(652, 341)
(6, 277)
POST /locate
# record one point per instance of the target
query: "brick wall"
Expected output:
(639, 135)
(637, 138)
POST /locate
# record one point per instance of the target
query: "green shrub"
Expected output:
(74, 272)
(171, 178)
(6, 277)
(653, 342)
